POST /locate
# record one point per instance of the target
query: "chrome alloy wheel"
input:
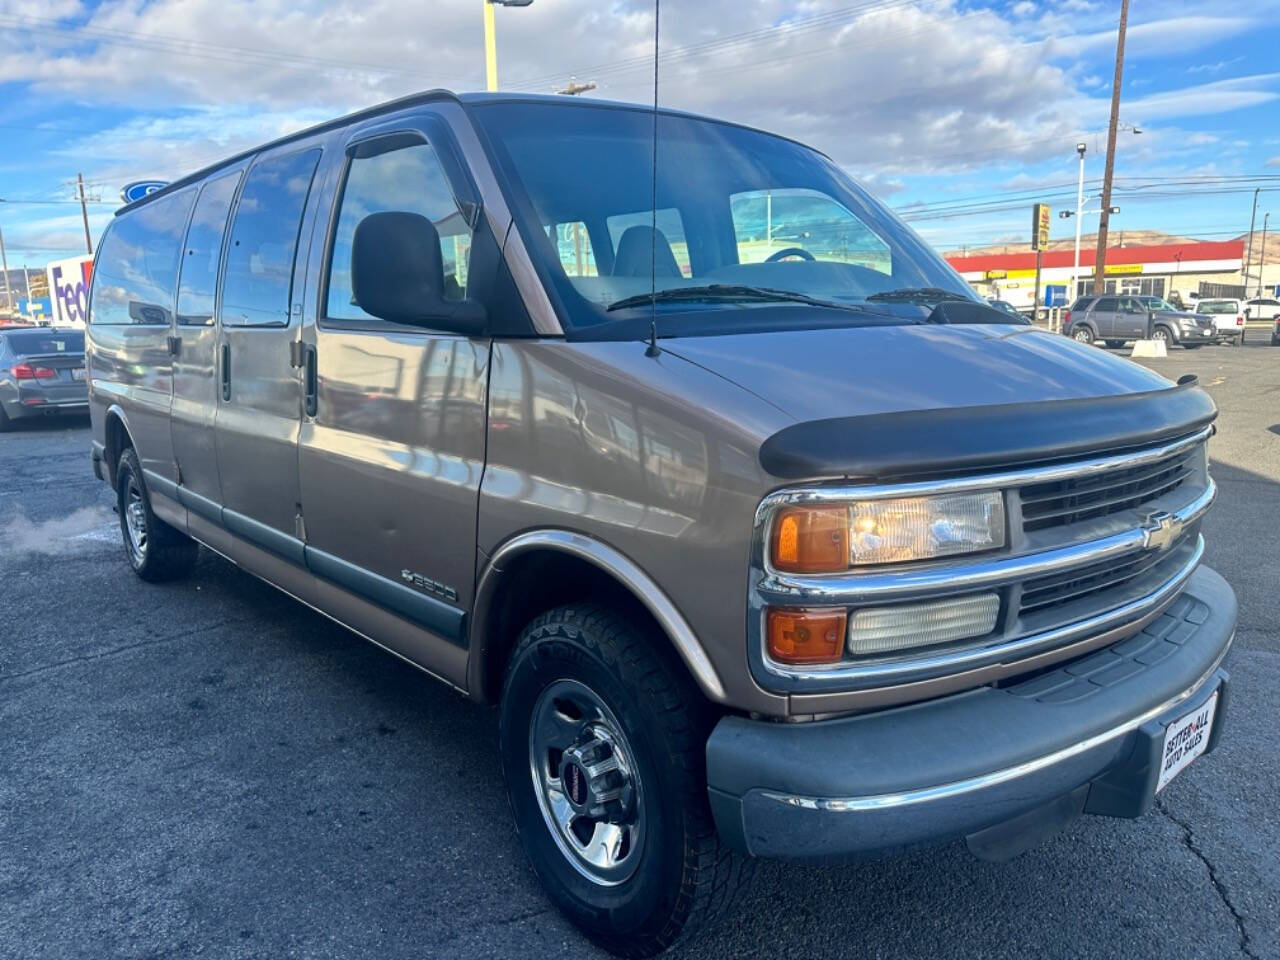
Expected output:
(135, 520)
(585, 780)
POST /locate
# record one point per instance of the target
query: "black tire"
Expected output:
(1082, 334)
(1192, 346)
(156, 551)
(1275, 341)
(682, 877)
(1163, 334)
(1115, 344)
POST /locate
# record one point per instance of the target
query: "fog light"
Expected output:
(806, 636)
(881, 630)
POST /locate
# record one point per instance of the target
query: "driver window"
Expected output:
(404, 178)
(769, 222)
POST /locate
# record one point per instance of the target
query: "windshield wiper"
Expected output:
(924, 295)
(726, 293)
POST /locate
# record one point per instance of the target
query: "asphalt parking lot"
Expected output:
(211, 769)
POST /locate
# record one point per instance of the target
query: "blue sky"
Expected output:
(959, 114)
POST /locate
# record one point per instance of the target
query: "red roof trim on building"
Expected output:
(1185, 253)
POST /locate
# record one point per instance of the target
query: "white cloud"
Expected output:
(1216, 97)
(1273, 162)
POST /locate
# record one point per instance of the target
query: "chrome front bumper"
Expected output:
(996, 765)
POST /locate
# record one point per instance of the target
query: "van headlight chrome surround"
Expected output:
(828, 537)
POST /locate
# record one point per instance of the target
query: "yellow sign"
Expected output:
(1121, 269)
(1040, 226)
(996, 274)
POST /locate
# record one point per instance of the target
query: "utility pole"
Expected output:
(1262, 257)
(573, 88)
(84, 213)
(1100, 258)
(1248, 255)
(4, 261)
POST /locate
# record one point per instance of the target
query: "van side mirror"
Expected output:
(397, 274)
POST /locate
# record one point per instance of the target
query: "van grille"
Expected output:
(1108, 575)
(1069, 501)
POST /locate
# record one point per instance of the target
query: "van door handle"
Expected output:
(226, 371)
(310, 385)
(174, 344)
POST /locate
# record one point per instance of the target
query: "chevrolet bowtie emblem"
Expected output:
(1159, 530)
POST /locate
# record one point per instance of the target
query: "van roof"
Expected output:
(414, 99)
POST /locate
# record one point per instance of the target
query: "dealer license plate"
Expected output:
(77, 373)
(1185, 739)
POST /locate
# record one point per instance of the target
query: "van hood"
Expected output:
(894, 403)
(859, 371)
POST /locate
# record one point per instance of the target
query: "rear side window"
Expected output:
(203, 250)
(1107, 305)
(136, 269)
(264, 239)
(1082, 304)
(407, 178)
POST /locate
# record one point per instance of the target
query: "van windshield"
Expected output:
(744, 222)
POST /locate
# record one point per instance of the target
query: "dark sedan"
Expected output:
(41, 373)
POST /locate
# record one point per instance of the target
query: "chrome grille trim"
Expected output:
(958, 577)
(1128, 538)
(1062, 502)
(922, 668)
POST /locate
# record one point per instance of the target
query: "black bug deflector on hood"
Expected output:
(910, 443)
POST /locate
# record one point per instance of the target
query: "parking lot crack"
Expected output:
(116, 651)
(1188, 841)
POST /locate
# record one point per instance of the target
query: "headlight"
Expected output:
(831, 537)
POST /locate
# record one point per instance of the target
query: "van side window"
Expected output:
(766, 222)
(408, 178)
(1107, 305)
(203, 250)
(136, 269)
(264, 238)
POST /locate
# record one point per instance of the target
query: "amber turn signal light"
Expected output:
(806, 636)
(811, 539)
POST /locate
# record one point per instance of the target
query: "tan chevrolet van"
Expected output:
(765, 535)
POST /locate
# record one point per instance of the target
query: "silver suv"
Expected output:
(1118, 318)
(765, 536)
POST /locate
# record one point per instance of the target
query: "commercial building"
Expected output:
(1160, 270)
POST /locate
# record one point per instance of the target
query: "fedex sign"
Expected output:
(69, 289)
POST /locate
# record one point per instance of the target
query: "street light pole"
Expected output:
(1075, 267)
(491, 40)
(1100, 258)
(490, 49)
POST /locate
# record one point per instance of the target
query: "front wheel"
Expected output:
(156, 551)
(603, 742)
(1162, 335)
